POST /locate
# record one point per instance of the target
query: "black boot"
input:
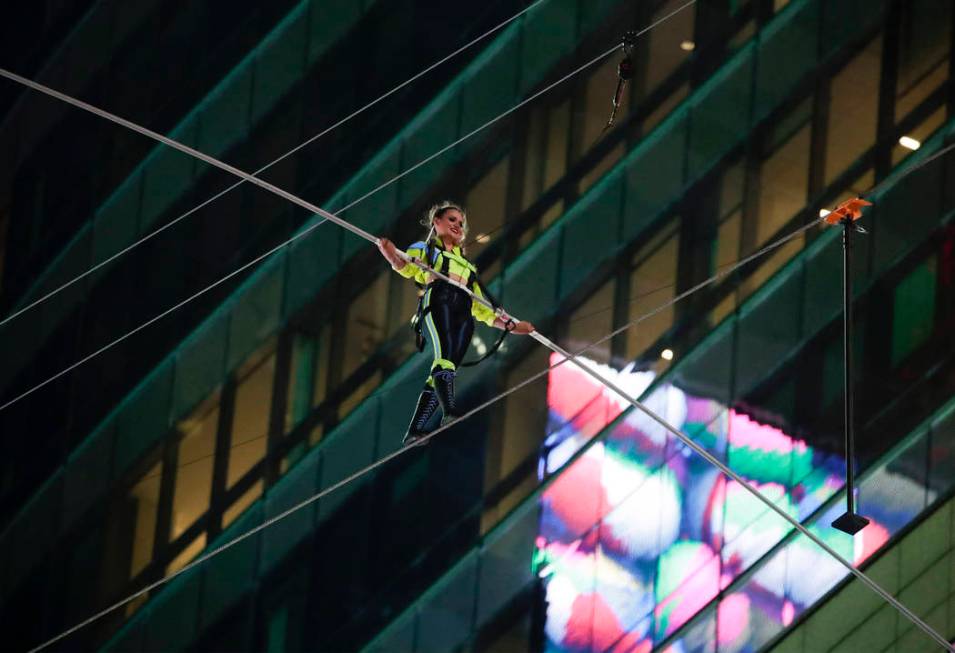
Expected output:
(427, 404)
(444, 386)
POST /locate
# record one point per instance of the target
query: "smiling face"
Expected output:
(449, 225)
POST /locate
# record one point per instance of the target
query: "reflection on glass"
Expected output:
(194, 473)
(144, 497)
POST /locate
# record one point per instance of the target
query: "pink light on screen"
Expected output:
(569, 389)
(577, 496)
(733, 616)
(868, 541)
(788, 612)
(745, 432)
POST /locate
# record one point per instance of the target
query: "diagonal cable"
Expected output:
(295, 149)
(274, 189)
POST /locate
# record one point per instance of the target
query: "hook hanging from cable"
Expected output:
(624, 73)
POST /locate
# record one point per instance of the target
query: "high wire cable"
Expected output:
(295, 149)
(537, 336)
(566, 357)
(278, 191)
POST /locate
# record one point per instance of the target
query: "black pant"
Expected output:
(448, 324)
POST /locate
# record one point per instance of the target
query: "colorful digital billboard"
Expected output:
(638, 534)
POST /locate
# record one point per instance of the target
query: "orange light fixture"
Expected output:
(848, 210)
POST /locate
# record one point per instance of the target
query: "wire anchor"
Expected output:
(624, 73)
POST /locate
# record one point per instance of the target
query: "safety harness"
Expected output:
(432, 254)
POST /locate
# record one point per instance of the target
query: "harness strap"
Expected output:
(472, 280)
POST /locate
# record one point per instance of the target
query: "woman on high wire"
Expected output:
(447, 311)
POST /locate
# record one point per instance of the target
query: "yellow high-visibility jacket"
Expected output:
(451, 263)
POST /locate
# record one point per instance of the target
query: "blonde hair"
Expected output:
(438, 210)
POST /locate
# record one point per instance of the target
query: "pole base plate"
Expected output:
(850, 523)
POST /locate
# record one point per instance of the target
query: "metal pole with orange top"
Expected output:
(847, 214)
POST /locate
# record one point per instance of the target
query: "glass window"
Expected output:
(599, 170)
(524, 426)
(726, 253)
(783, 185)
(238, 507)
(367, 316)
(194, 467)
(250, 425)
(320, 388)
(652, 283)
(558, 127)
(727, 246)
(913, 310)
(144, 497)
(919, 135)
(301, 379)
(486, 204)
(534, 158)
(668, 105)
(772, 263)
(546, 162)
(853, 110)
(728, 241)
(308, 377)
(404, 298)
(195, 548)
(924, 43)
(591, 321)
(598, 102)
(307, 386)
(359, 395)
(670, 43)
